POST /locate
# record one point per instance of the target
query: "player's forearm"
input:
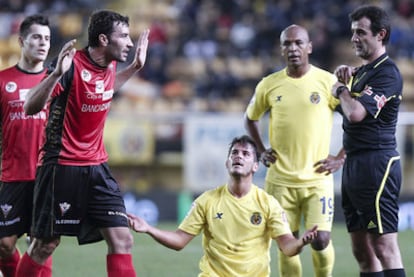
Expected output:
(167, 238)
(352, 109)
(292, 247)
(38, 95)
(123, 75)
(252, 128)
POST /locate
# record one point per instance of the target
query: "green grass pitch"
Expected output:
(154, 260)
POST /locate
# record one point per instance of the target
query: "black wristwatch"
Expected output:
(339, 90)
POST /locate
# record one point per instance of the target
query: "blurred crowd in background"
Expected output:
(208, 55)
(204, 56)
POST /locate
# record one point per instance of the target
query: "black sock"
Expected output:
(371, 274)
(398, 272)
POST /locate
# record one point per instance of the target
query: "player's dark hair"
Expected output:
(31, 20)
(244, 140)
(378, 17)
(102, 22)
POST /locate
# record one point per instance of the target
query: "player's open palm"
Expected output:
(141, 52)
(65, 57)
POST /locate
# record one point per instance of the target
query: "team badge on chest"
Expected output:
(86, 75)
(11, 87)
(256, 218)
(315, 98)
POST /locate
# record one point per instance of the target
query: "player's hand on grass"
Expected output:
(137, 224)
(310, 235)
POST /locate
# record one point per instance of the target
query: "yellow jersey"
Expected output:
(237, 232)
(300, 124)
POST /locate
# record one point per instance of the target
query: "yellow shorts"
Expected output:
(315, 205)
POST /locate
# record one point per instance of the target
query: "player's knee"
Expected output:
(386, 252)
(363, 257)
(43, 248)
(321, 241)
(128, 242)
(7, 248)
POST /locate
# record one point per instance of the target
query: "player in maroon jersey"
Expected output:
(20, 140)
(75, 193)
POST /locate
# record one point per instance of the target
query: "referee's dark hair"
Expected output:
(378, 17)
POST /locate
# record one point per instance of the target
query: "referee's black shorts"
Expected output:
(76, 201)
(371, 183)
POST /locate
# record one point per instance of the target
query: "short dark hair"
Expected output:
(244, 139)
(378, 17)
(102, 22)
(31, 20)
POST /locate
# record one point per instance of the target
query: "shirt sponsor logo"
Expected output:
(381, 100)
(23, 116)
(95, 108)
(100, 93)
(23, 94)
(106, 95)
(368, 90)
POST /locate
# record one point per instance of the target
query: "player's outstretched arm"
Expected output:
(37, 96)
(176, 240)
(291, 246)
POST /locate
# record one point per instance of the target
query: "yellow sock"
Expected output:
(323, 261)
(289, 266)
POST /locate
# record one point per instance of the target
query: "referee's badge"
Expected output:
(315, 98)
(256, 218)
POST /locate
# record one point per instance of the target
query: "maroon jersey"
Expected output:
(20, 134)
(78, 108)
